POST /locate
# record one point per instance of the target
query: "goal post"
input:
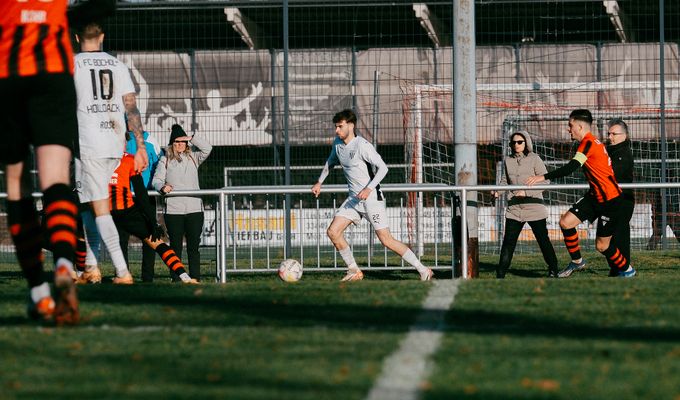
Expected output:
(428, 147)
(504, 108)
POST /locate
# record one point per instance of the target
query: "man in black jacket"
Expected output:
(621, 154)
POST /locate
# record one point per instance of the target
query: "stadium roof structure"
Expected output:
(143, 25)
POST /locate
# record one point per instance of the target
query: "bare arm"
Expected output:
(134, 120)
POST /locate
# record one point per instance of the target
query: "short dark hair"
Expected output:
(91, 31)
(582, 115)
(346, 115)
(619, 122)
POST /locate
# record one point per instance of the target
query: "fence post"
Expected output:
(463, 228)
(222, 259)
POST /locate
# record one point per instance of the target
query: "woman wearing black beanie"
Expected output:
(178, 170)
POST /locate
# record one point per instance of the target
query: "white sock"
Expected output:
(40, 291)
(348, 258)
(92, 239)
(109, 234)
(412, 259)
(185, 277)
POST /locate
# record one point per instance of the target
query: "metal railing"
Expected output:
(464, 191)
(222, 210)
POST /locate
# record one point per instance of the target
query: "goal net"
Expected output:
(428, 147)
(503, 109)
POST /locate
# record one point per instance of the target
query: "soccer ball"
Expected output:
(290, 270)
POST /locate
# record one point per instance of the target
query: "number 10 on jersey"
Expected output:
(105, 88)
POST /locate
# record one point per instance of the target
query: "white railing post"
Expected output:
(463, 228)
(222, 261)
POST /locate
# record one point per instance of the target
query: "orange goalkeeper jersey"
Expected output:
(120, 194)
(34, 38)
(597, 166)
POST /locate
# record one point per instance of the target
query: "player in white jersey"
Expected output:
(106, 98)
(358, 158)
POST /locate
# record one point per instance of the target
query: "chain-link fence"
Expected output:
(262, 79)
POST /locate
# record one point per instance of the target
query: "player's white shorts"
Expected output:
(93, 176)
(373, 210)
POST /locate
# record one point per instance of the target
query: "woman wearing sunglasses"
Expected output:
(524, 206)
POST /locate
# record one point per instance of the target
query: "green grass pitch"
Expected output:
(526, 337)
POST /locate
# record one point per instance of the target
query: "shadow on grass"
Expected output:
(485, 394)
(215, 306)
(344, 309)
(526, 273)
(483, 322)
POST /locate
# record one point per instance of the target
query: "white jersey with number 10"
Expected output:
(101, 82)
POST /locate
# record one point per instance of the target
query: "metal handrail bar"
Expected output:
(299, 189)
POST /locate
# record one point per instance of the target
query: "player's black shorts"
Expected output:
(132, 221)
(608, 214)
(36, 110)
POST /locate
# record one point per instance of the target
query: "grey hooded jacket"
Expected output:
(182, 176)
(519, 167)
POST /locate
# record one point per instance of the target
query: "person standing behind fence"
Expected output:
(601, 202)
(621, 154)
(153, 151)
(358, 158)
(524, 206)
(178, 170)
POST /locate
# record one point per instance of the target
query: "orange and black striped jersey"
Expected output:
(597, 167)
(34, 38)
(120, 193)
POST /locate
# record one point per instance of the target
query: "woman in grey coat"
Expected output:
(524, 206)
(178, 170)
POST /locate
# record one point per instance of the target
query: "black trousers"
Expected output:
(189, 227)
(672, 220)
(512, 231)
(148, 254)
(621, 236)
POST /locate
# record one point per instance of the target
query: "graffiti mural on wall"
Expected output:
(226, 116)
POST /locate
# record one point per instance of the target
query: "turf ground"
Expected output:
(526, 337)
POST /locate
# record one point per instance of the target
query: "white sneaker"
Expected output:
(123, 280)
(571, 268)
(353, 275)
(426, 275)
(92, 274)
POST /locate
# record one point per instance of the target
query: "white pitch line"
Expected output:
(405, 369)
